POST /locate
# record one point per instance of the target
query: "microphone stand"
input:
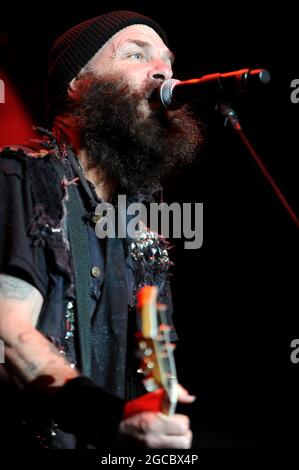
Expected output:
(231, 118)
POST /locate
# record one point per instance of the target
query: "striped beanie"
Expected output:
(78, 45)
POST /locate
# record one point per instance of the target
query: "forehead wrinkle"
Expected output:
(168, 54)
(137, 42)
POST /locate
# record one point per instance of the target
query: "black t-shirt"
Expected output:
(18, 256)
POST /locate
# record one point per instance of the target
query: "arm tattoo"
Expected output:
(14, 288)
(31, 369)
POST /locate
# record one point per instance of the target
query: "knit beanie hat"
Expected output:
(78, 45)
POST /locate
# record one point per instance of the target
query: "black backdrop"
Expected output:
(236, 297)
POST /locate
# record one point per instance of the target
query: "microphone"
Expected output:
(175, 93)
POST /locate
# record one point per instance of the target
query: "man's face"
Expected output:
(138, 56)
(124, 134)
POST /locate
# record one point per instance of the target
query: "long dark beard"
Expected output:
(129, 147)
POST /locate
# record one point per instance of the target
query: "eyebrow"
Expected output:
(168, 53)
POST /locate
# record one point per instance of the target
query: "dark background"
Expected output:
(236, 297)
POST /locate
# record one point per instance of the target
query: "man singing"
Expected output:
(68, 298)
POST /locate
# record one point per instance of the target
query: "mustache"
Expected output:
(112, 86)
(146, 91)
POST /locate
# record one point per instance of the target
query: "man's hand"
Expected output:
(156, 430)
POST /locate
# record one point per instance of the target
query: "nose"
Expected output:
(160, 70)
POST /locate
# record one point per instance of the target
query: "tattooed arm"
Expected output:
(27, 352)
(33, 357)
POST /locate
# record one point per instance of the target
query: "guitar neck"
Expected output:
(158, 361)
(167, 362)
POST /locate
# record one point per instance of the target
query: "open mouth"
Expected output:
(154, 101)
(151, 100)
(152, 96)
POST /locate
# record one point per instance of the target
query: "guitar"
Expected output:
(157, 357)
